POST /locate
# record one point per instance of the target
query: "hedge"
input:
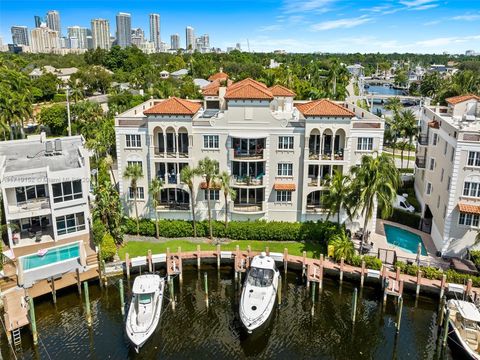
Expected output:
(405, 218)
(475, 256)
(371, 262)
(59, 98)
(238, 230)
(433, 273)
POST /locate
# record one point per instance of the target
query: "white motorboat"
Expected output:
(464, 329)
(145, 308)
(259, 292)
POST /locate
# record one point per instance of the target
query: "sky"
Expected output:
(386, 26)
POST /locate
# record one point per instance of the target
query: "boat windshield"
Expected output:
(260, 277)
(144, 299)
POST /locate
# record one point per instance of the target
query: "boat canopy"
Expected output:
(263, 262)
(467, 310)
(146, 284)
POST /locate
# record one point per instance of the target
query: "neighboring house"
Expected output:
(447, 176)
(62, 74)
(45, 185)
(279, 152)
(201, 83)
(179, 73)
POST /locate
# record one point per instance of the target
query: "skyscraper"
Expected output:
(101, 34)
(20, 35)
(45, 40)
(174, 42)
(205, 39)
(38, 21)
(124, 29)
(155, 30)
(80, 33)
(53, 21)
(138, 36)
(190, 38)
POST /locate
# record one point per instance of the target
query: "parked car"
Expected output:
(402, 203)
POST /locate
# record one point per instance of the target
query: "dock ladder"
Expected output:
(17, 339)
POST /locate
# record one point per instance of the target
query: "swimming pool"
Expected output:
(53, 255)
(404, 239)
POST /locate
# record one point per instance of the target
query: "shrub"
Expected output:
(475, 256)
(108, 248)
(59, 98)
(98, 230)
(343, 247)
(371, 262)
(405, 218)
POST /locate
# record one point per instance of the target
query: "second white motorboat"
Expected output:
(145, 308)
(259, 292)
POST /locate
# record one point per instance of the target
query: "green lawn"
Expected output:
(140, 248)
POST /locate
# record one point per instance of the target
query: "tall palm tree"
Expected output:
(375, 179)
(410, 128)
(333, 73)
(395, 122)
(208, 168)
(187, 176)
(154, 189)
(225, 181)
(338, 193)
(134, 173)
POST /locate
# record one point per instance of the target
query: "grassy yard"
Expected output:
(140, 248)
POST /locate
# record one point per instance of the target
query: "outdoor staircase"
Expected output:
(92, 259)
(7, 283)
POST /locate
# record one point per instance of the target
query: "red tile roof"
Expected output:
(458, 99)
(174, 106)
(212, 88)
(279, 90)
(279, 186)
(467, 208)
(218, 76)
(248, 89)
(323, 107)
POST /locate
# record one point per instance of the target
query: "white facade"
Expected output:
(53, 21)
(45, 193)
(80, 33)
(101, 34)
(448, 174)
(278, 156)
(189, 38)
(155, 30)
(45, 40)
(175, 42)
(124, 29)
(20, 35)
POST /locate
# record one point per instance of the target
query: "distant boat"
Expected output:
(259, 292)
(145, 308)
(366, 86)
(464, 331)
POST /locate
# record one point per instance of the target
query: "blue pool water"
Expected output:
(53, 255)
(404, 239)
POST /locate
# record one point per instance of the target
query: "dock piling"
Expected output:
(122, 299)
(104, 275)
(267, 250)
(445, 328)
(342, 261)
(362, 274)
(54, 292)
(419, 281)
(33, 324)
(127, 265)
(279, 290)
(399, 313)
(468, 290)
(172, 292)
(205, 277)
(180, 266)
(442, 285)
(198, 257)
(304, 261)
(320, 274)
(79, 283)
(354, 304)
(441, 310)
(285, 260)
(149, 261)
(219, 253)
(87, 303)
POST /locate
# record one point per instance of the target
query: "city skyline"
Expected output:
(429, 26)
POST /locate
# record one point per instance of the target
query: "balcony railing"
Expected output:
(31, 205)
(325, 156)
(317, 181)
(247, 154)
(316, 208)
(249, 207)
(247, 180)
(173, 206)
(423, 140)
(420, 162)
(169, 153)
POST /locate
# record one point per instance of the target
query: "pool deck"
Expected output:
(380, 242)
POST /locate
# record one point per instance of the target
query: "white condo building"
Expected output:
(53, 21)
(155, 30)
(80, 34)
(45, 185)
(189, 38)
(278, 151)
(101, 34)
(20, 35)
(447, 178)
(45, 40)
(174, 41)
(124, 29)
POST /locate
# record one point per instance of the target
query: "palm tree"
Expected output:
(225, 181)
(154, 189)
(187, 176)
(410, 128)
(394, 123)
(134, 173)
(333, 73)
(208, 168)
(343, 246)
(375, 179)
(338, 193)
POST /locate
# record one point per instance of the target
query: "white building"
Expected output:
(124, 29)
(101, 34)
(45, 40)
(189, 38)
(279, 152)
(447, 179)
(80, 33)
(155, 30)
(175, 42)
(45, 185)
(20, 35)
(63, 74)
(53, 21)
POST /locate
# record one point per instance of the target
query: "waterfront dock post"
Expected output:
(314, 292)
(468, 290)
(87, 303)
(419, 282)
(399, 312)
(149, 261)
(442, 285)
(219, 254)
(397, 273)
(79, 283)
(441, 310)
(279, 290)
(171, 287)
(267, 250)
(249, 252)
(342, 261)
(99, 265)
(127, 265)
(33, 323)
(198, 257)
(354, 304)
(362, 274)
(104, 275)
(205, 277)
(304, 261)
(180, 266)
(320, 274)
(122, 299)
(445, 328)
(54, 292)
(285, 260)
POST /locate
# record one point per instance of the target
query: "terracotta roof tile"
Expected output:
(247, 81)
(279, 186)
(467, 208)
(323, 107)
(211, 89)
(279, 90)
(434, 124)
(174, 106)
(218, 76)
(248, 89)
(458, 99)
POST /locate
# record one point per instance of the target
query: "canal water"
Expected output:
(193, 331)
(382, 90)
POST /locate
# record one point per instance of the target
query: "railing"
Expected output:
(420, 162)
(317, 181)
(31, 205)
(173, 206)
(423, 140)
(169, 153)
(247, 155)
(249, 207)
(170, 179)
(239, 180)
(325, 156)
(316, 208)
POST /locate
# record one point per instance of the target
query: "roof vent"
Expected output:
(48, 148)
(58, 146)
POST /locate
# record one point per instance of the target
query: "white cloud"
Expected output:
(446, 41)
(425, 7)
(273, 27)
(415, 3)
(467, 17)
(341, 23)
(298, 6)
(433, 22)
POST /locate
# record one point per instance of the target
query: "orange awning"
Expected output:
(467, 208)
(279, 186)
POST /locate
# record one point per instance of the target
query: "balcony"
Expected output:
(423, 140)
(338, 155)
(173, 206)
(248, 208)
(420, 162)
(247, 149)
(317, 181)
(239, 180)
(30, 206)
(316, 209)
